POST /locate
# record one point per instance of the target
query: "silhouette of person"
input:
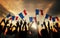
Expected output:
(44, 33)
(50, 31)
(55, 35)
(24, 24)
(49, 25)
(7, 22)
(20, 25)
(56, 27)
(9, 32)
(44, 23)
(14, 30)
(3, 20)
(17, 25)
(0, 29)
(23, 34)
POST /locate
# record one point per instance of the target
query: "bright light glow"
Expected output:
(34, 25)
(8, 25)
(10, 21)
(14, 22)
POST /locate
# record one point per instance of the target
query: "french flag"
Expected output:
(39, 12)
(23, 14)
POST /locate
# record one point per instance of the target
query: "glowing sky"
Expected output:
(52, 7)
(17, 6)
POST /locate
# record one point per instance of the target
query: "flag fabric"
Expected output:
(25, 12)
(21, 15)
(53, 19)
(16, 17)
(13, 17)
(37, 11)
(50, 17)
(57, 18)
(35, 19)
(8, 15)
(46, 16)
(31, 19)
(41, 12)
(10, 18)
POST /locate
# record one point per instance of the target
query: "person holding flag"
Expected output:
(21, 23)
(24, 24)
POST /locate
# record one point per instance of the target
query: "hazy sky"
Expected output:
(52, 7)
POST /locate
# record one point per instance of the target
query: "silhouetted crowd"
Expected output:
(45, 33)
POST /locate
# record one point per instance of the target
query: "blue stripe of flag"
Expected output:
(13, 17)
(53, 19)
(37, 11)
(8, 15)
(31, 19)
(21, 15)
(46, 16)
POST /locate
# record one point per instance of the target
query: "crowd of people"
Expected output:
(45, 33)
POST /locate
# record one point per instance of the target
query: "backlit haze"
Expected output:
(17, 6)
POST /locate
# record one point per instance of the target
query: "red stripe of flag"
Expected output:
(35, 19)
(25, 12)
(41, 12)
(16, 17)
(50, 17)
(10, 18)
(57, 18)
